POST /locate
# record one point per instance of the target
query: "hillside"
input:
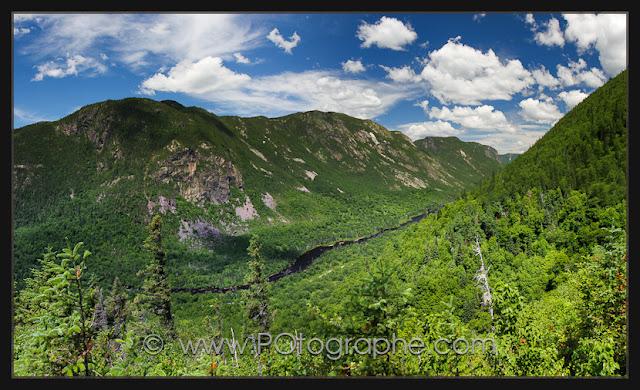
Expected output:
(550, 247)
(301, 180)
(536, 265)
(584, 150)
(507, 157)
(469, 160)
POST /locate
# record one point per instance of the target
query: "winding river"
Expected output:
(304, 260)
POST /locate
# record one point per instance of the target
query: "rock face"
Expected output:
(163, 204)
(197, 229)
(269, 201)
(246, 211)
(94, 123)
(200, 178)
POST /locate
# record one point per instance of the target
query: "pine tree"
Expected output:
(155, 297)
(257, 297)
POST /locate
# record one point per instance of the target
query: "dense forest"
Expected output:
(533, 259)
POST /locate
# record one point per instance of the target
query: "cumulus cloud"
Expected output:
(606, 32)
(287, 45)
(201, 77)
(531, 21)
(353, 66)
(572, 98)
(402, 74)
(517, 142)
(277, 94)
(461, 74)
(424, 104)
(386, 33)
(552, 36)
(479, 118)
(241, 59)
(544, 78)
(71, 66)
(577, 73)
(539, 110)
(420, 130)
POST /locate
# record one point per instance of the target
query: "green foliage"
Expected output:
(550, 227)
(257, 298)
(54, 317)
(585, 150)
(155, 297)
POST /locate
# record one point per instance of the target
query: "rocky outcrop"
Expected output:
(198, 229)
(246, 212)
(269, 201)
(163, 205)
(93, 122)
(201, 178)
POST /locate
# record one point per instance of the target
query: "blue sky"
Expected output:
(501, 79)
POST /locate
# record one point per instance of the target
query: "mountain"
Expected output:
(470, 161)
(540, 271)
(585, 150)
(98, 174)
(507, 157)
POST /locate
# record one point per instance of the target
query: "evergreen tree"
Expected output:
(55, 314)
(257, 296)
(155, 298)
(116, 308)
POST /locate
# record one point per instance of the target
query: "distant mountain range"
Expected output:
(99, 173)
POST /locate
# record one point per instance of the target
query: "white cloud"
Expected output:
(138, 40)
(478, 17)
(461, 74)
(572, 98)
(424, 104)
(544, 78)
(577, 73)
(19, 31)
(26, 117)
(552, 36)
(353, 66)
(201, 77)
(277, 94)
(386, 33)
(479, 118)
(420, 130)
(517, 142)
(401, 75)
(531, 21)
(69, 67)
(241, 59)
(539, 110)
(275, 37)
(606, 32)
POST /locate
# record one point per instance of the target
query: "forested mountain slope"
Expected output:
(536, 264)
(307, 178)
(585, 150)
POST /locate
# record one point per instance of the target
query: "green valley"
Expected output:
(526, 250)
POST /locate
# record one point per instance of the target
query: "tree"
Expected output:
(54, 314)
(257, 297)
(155, 298)
(116, 308)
